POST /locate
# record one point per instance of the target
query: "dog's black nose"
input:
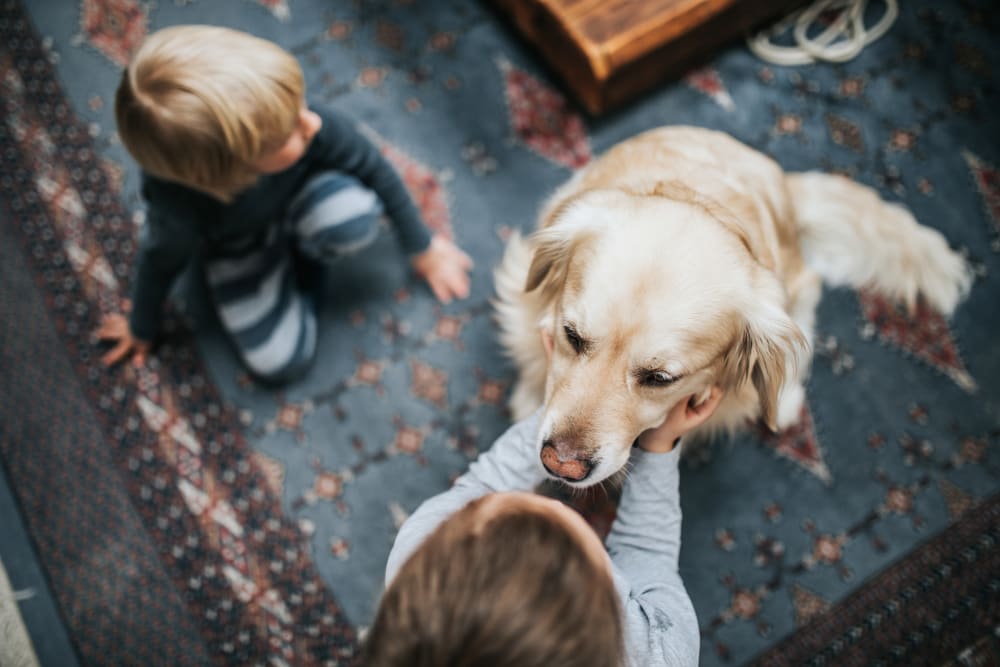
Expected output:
(563, 464)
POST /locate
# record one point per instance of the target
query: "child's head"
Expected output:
(199, 104)
(512, 579)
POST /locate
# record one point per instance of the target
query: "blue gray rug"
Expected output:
(185, 515)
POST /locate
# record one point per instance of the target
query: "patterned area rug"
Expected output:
(185, 515)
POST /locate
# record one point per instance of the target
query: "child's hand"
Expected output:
(445, 268)
(115, 328)
(682, 418)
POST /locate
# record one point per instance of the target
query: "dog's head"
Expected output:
(649, 300)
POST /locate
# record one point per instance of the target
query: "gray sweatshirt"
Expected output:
(644, 542)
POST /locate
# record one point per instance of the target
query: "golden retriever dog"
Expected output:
(682, 259)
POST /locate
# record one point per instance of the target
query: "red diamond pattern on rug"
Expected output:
(988, 182)
(279, 8)
(114, 27)
(924, 334)
(543, 120)
(425, 187)
(798, 443)
(708, 81)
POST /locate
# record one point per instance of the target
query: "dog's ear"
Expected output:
(559, 236)
(769, 349)
(554, 248)
(550, 259)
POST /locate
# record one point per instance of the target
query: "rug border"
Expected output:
(825, 629)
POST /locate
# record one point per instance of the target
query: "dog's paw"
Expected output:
(790, 403)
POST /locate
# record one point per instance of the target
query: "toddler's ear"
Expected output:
(703, 396)
(702, 405)
(700, 397)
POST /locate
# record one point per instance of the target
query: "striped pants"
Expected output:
(269, 316)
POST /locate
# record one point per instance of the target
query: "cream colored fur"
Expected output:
(682, 254)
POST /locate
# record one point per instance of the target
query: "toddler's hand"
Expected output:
(445, 268)
(682, 418)
(115, 328)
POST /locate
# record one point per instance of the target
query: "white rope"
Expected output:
(842, 40)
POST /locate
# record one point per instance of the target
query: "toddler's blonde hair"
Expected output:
(198, 104)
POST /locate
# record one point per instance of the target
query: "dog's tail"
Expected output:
(850, 236)
(517, 316)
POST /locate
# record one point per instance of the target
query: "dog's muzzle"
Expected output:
(560, 462)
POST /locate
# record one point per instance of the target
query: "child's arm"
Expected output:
(167, 242)
(339, 145)
(511, 464)
(644, 544)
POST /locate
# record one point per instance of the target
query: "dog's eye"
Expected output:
(656, 378)
(577, 343)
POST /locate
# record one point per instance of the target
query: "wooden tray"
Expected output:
(609, 51)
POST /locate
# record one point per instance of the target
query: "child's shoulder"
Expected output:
(327, 112)
(337, 125)
(340, 136)
(174, 200)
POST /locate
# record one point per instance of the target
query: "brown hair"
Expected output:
(514, 591)
(198, 104)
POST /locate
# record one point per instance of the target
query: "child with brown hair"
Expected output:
(240, 173)
(489, 574)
